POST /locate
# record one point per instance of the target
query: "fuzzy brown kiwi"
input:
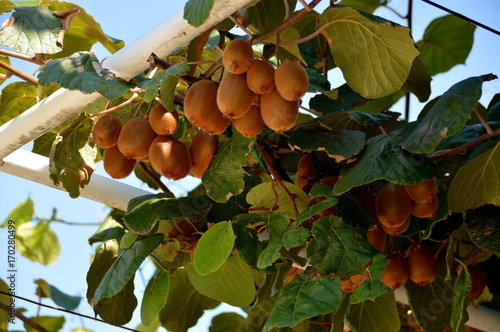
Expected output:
(305, 171)
(250, 124)
(170, 157)
(278, 114)
(422, 192)
(202, 149)
(106, 130)
(200, 107)
(393, 205)
(425, 210)
(396, 271)
(237, 56)
(116, 164)
(260, 77)
(422, 265)
(135, 138)
(162, 121)
(291, 80)
(234, 98)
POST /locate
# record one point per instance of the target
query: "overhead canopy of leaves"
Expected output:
(374, 57)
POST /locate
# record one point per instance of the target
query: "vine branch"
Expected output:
(20, 56)
(483, 121)
(19, 73)
(464, 147)
(19, 315)
(117, 107)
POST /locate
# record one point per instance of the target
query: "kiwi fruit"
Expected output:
(200, 107)
(376, 237)
(396, 271)
(422, 265)
(237, 56)
(478, 280)
(291, 80)
(116, 164)
(251, 123)
(135, 138)
(234, 98)
(162, 121)
(305, 171)
(395, 231)
(392, 204)
(425, 210)
(277, 113)
(170, 157)
(422, 192)
(202, 149)
(106, 130)
(260, 77)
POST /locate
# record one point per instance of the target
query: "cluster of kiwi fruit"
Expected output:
(151, 139)
(252, 94)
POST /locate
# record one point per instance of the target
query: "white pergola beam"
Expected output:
(128, 62)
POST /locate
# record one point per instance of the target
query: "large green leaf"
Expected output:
(477, 183)
(338, 248)
(383, 158)
(346, 99)
(232, 283)
(304, 297)
(185, 305)
(339, 145)
(145, 211)
(49, 323)
(117, 310)
(314, 209)
(21, 213)
(82, 71)
(72, 156)
(37, 243)
(196, 12)
(16, 98)
(213, 248)
(264, 196)
(447, 42)
(419, 81)
(379, 315)
(482, 226)
(375, 58)
(276, 225)
(372, 287)
(63, 300)
(266, 15)
(122, 270)
(32, 30)
(368, 6)
(224, 178)
(155, 297)
(290, 34)
(226, 322)
(447, 116)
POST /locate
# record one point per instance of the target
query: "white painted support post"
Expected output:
(162, 40)
(34, 167)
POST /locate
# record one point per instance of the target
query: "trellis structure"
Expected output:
(126, 64)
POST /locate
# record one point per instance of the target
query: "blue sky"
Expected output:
(128, 20)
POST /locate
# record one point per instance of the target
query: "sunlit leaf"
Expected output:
(196, 12)
(49, 323)
(21, 213)
(155, 297)
(16, 98)
(37, 243)
(266, 15)
(368, 6)
(151, 85)
(213, 248)
(226, 322)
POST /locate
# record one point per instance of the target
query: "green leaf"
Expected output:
(16, 98)
(338, 317)
(6, 6)
(462, 288)
(167, 92)
(294, 237)
(185, 305)
(232, 283)
(477, 183)
(314, 209)
(196, 12)
(419, 81)
(117, 310)
(128, 239)
(304, 297)
(447, 42)
(338, 248)
(224, 178)
(226, 322)
(143, 212)
(122, 270)
(49, 323)
(290, 34)
(72, 156)
(213, 248)
(152, 85)
(375, 58)
(21, 213)
(317, 81)
(37, 243)
(379, 315)
(447, 116)
(82, 71)
(155, 297)
(69, 302)
(109, 229)
(263, 196)
(276, 225)
(368, 6)
(266, 15)
(339, 145)
(32, 30)
(482, 226)
(346, 99)
(383, 158)
(372, 287)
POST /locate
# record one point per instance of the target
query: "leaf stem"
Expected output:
(464, 147)
(19, 315)
(19, 73)
(24, 57)
(306, 6)
(41, 329)
(382, 130)
(483, 121)
(395, 12)
(306, 38)
(153, 177)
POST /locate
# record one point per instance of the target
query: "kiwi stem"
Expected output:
(464, 147)
(18, 73)
(443, 244)
(287, 9)
(310, 111)
(235, 21)
(382, 130)
(24, 57)
(483, 121)
(276, 177)
(117, 107)
(153, 177)
(306, 38)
